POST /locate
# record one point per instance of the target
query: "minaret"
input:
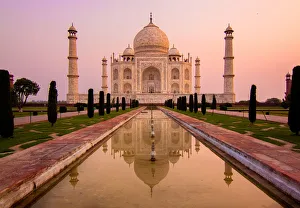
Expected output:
(228, 63)
(228, 174)
(288, 85)
(73, 177)
(72, 96)
(104, 75)
(197, 76)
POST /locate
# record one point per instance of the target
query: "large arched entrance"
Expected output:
(151, 80)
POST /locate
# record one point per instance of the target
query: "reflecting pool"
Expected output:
(185, 173)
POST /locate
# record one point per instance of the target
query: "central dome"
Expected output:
(151, 39)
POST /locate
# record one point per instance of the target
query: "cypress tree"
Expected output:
(90, 107)
(195, 103)
(191, 102)
(180, 103)
(123, 103)
(101, 103)
(108, 103)
(184, 103)
(6, 115)
(252, 104)
(214, 103)
(117, 105)
(294, 111)
(203, 104)
(52, 103)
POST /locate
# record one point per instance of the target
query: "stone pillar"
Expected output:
(197, 76)
(72, 96)
(228, 63)
(104, 76)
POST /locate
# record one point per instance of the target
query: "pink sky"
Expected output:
(34, 42)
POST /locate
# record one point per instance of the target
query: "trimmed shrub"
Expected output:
(123, 103)
(203, 104)
(90, 106)
(34, 113)
(252, 104)
(6, 115)
(108, 103)
(62, 109)
(117, 105)
(294, 111)
(223, 107)
(101, 103)
(52, 103)
(195, 103)
(214, 103)
(191, 103)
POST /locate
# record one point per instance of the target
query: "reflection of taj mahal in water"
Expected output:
(132, 142)
(151, 71)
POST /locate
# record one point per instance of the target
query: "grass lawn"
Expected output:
(40, 132)
(40, 110)
(260, 130)
(273, 110)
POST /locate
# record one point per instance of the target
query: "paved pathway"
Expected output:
(31, 119)
(279, 119)
(23, 171)
(274, 163)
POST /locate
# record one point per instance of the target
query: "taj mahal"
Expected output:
(151, 71)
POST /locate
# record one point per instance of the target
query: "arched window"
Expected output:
(175, 88)
(115, 88)
(175, 73)
(127, 73)
(127, 88)
(115, 74)
(186, 88)
(186, 74)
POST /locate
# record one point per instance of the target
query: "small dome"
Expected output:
(197, 59)
(128, 51)
(174, 51)
(288, 75)
(104, 59)
(72, 28)
(228, 29)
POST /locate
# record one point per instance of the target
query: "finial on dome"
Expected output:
(150, 17)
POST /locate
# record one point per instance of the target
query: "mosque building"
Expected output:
(151, 71)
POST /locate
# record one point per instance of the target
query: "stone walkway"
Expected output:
(24, 171)
(279, 119)
(276, 164)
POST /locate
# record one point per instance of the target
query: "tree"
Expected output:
(101, 103)
(52, 103)
(203, 104)
(273, 101)
(90, 106)
(6, 115)
(123, 103)
(23, 88)
(294, 111)
(117, 104)
(191, 102)
(252, 104)
(214, 103)
(108, 103)
(195, 103)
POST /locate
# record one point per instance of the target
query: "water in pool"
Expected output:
(185, 173)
